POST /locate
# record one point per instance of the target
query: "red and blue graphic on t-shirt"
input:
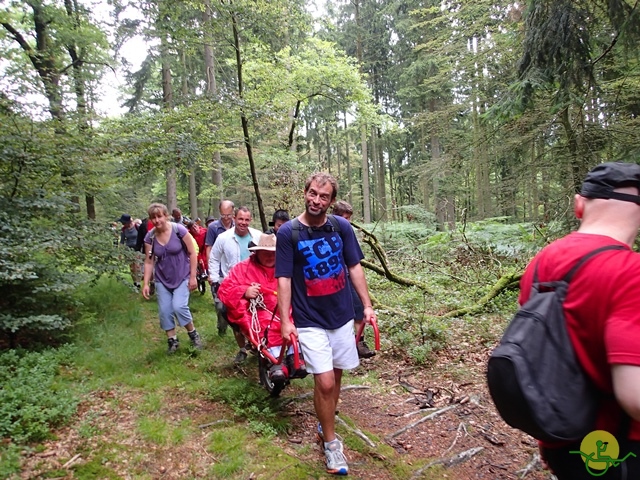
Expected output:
(323, 271)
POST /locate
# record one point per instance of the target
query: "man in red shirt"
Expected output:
(602, 310)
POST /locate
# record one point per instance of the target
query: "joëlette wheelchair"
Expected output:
(294, 362)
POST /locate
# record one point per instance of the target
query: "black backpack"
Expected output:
(535, 380)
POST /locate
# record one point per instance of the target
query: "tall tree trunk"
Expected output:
(346, 155)
(393, 190)
(373, 153)
(81, 99)
(425, 184)
(293, 117)
(43, 60)
(326, 138)
(439, 198)
(337, 137)
(245, 124)
(366, 205)
(193, 166)
(381, 182)
(481, 162)
(544, 182)
(167, 102)
(212, 90)
(578, 170)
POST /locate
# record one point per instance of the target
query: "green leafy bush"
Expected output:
(46, 247)
(45, 254)
(9, 460)
(31, 401)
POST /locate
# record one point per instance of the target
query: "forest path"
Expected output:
(142, 428)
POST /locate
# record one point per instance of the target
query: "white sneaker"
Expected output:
(336, 461)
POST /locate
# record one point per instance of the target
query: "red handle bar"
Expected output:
(376, 332)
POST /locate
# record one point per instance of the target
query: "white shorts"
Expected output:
(325, 350)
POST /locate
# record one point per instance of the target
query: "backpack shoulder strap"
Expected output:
(334, 222)
(567, 278)
(174, 227)
(295, 228)
(295, 232)
(536, 284)
(569, 275)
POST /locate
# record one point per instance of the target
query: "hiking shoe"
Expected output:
(196, 341)
(173, 345)
(336, 461)
(240, 357)
(293, 372)
(364, 351)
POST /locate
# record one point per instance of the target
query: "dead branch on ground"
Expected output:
(391, 436)
(449, 462)
(342, 389)
(356, 431)
(531, 466)
(506, 282)
(371, 240)
(459, 431)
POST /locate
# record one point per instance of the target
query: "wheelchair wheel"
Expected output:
(274, 388)
(202, 286)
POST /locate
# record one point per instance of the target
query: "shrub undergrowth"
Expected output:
(31, 400)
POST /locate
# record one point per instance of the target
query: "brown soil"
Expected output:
(400, 397)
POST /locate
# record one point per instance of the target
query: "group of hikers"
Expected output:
(309, 267)
(304, 272)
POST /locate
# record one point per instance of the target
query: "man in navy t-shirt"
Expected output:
(311, 267)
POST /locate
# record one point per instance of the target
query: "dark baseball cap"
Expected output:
(125, 218)
(209, 219)
(603, 179)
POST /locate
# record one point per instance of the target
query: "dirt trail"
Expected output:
(454, 386)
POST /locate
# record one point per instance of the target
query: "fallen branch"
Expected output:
(371, 240)
(205, 425)
(406, 282)
(531, 466)
(505, 282)
(418, 422)
(342, 389)
(416, 412)
(72, 461)
(357, 431)
(449, 462)
(354, 387)
(489, 436)
(461, 427)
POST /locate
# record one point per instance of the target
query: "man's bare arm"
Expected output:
(356, 274)
(284, 307)
(626, 387)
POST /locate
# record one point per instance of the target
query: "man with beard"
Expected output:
(230, 248)
(314, 252)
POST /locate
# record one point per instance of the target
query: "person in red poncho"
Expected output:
(248, 280)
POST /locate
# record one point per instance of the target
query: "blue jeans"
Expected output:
(173, 302)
